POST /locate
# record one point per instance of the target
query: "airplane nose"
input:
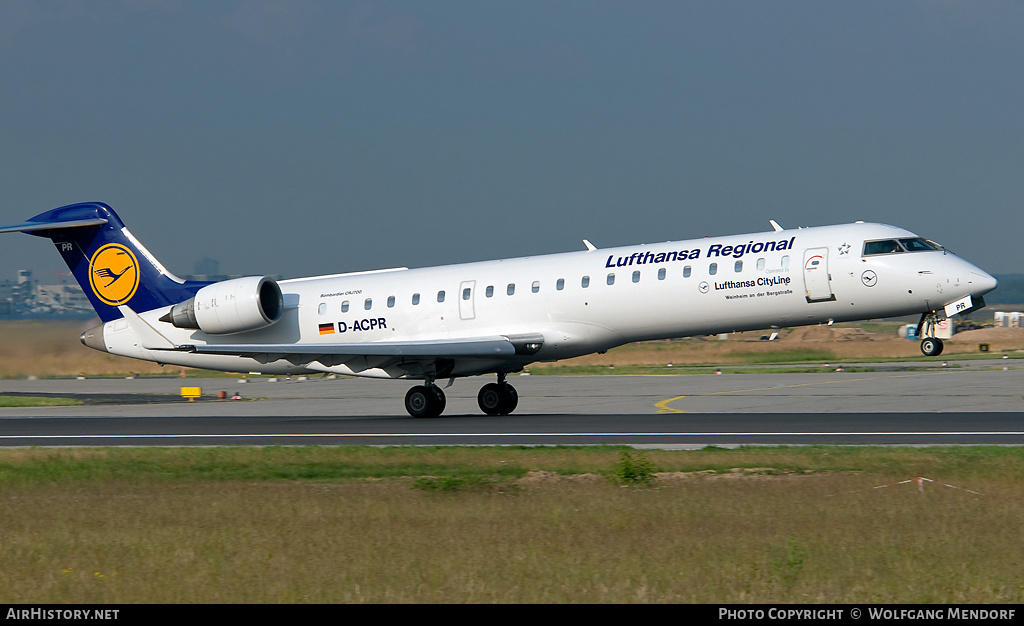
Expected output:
(982, 282)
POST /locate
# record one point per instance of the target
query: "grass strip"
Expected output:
(359, 463)
(22, 401)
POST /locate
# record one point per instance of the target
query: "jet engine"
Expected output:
(230, 306)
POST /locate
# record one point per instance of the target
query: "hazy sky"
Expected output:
(321, 136)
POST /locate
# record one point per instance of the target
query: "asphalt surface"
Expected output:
(916, 403)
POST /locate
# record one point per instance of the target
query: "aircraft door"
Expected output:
(817, 282)
(466, 296)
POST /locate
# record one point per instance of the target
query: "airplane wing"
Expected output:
(408, 356)
(481, 347)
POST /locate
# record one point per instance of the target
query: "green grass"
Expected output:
(511, 524)
(359, 463)
(19, 401)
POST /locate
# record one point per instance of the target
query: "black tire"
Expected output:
(424, 401)
(497, 399)
(442, 402)
(490, 399)
(512, 400)
(931, 346)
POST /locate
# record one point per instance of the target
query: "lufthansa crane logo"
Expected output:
(114, 274)
(869, 278)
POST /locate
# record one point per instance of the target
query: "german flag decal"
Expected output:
(327, 329)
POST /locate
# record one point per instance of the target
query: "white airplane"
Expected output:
(496, 317)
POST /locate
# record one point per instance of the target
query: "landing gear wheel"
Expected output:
(489, 398)
(931, 346)
(497, 398)
(425, 401)
(442, 402)
(513, 399)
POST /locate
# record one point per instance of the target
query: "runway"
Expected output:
(971, 402)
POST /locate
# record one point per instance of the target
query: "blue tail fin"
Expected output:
(109, 263)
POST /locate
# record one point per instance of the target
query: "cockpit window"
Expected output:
(893, 246)
(917, 244)
(884, 246)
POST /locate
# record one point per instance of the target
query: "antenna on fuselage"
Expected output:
(775, 225)
(590, 247)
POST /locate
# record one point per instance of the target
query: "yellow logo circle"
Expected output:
(114, 274)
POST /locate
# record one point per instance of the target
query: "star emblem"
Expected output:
(844, 249)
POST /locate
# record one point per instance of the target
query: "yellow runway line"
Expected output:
(663, 406)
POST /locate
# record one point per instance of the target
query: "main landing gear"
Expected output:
(498, 398)
(425, 400)
(428, 400)
(930, 344)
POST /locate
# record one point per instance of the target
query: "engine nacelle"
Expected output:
(230, 306)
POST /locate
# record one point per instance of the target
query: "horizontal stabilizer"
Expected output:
(53, 225)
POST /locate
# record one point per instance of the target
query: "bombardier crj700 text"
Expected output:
(496, 317)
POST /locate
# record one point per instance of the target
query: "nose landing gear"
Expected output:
(930, 344)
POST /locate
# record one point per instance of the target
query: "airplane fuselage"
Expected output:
(584, 302)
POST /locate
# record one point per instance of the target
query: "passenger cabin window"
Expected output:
(686, 271)
(322, 309)
(636, 276)
(560, 284)
(661, 274)
(466, 293)
(611, 279)
(585, 282)
(535, 287)
(489, 292)
(511, 289)
(713, 269)
(785, 261)
(391, 302)
(415, 299)
(760, 264)
(440, 296)
(738, 267)
(344, 306)
(368, 304)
